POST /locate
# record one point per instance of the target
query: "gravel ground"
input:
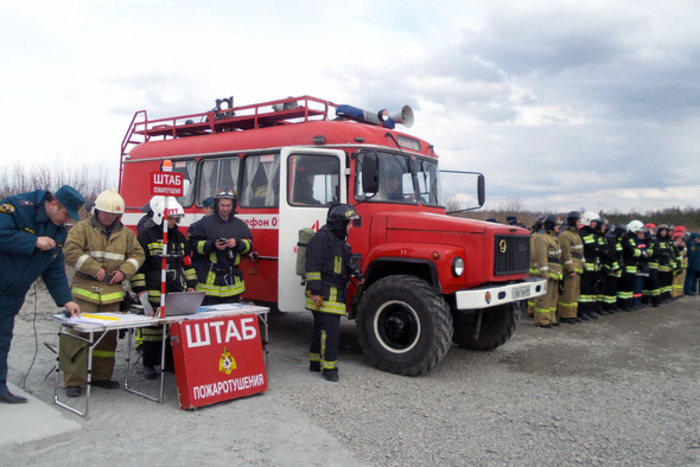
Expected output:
(622, 390)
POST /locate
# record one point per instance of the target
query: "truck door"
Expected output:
(310, 181)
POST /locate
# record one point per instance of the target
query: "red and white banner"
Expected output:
(167, 184)
(217, 359)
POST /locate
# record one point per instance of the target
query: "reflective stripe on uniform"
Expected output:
(95, 297)
(222, 291)
(81, 261)
(332, 307)
(313, 276)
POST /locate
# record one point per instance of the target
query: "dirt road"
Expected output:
(620, 390)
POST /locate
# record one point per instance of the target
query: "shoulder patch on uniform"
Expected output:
(7, 208)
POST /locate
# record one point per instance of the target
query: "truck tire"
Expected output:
(405, 326)
(497, 325)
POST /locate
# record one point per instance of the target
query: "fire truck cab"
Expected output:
(430, 279)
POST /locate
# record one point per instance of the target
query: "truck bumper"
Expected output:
(495, 295)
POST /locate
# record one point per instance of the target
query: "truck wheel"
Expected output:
(405, 327)
(497, 325)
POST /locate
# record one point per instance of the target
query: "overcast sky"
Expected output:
(562, 105)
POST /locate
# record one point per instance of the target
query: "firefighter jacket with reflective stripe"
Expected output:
(650, 242)
(681, 257)
(534, 267)
(591, 248)
(328, 270)
(612, 258)
(664, 254)
(218, 273)
(571, 251)
(633, 250)
(548, 254)
(22, 219)
(180, 274)
(89, 247)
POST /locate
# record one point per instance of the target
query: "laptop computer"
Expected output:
(183, 303)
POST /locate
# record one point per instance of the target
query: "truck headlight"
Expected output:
(457, 266)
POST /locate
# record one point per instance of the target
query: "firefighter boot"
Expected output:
(149, 372)
(331, 375)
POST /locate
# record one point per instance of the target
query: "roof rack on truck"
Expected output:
(220, 118)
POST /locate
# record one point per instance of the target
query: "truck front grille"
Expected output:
(511, 255)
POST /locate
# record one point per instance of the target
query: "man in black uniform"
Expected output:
(328, 272)
(220, 241)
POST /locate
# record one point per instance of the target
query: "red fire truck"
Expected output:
(431, 279)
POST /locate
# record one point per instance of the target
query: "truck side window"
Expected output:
(428, 181)
(395, 180)
(260, 186)
(216, 173)
(313, 180)
(189, 169)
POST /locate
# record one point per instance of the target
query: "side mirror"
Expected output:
(481, 189)
(370, 173)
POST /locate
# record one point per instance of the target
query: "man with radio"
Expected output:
(218, 242)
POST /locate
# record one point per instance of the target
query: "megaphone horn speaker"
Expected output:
(405, 117)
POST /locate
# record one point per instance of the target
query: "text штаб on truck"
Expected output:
(431, 279)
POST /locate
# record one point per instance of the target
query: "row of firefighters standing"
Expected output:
(105, 254)
(594, 268)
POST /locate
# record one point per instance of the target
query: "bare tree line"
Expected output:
(89, 181)
(689, 217)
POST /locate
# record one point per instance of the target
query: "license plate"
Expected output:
(521, 292)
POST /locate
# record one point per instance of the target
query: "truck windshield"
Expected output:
(395, 175)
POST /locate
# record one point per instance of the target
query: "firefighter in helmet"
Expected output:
(589, 279)
(534, 268)
(548, 259)
(104, 253)
(651, 292)
(612, 266)
(572, 268)
(636, 254)
(665, 255)
(220, 241)
(180, 276)
(329, 267)
(679, 272)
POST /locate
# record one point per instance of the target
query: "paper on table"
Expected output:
(88, 320)
(222, 307)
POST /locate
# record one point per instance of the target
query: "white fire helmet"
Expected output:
(110, 202)
(588, 217)
(635, 226)
(157, 204)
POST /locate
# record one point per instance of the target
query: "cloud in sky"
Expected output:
(561, 105)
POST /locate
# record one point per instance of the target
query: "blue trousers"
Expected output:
(7, 324)
(691, 281)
